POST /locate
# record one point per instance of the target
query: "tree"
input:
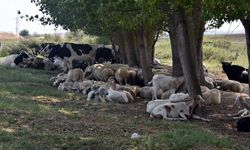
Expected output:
(226, 11)
(24, 33)
(133, 25)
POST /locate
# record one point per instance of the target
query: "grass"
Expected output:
(35, 115)
(215, 49)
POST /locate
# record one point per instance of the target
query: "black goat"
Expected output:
(243, 125)
(235, 72)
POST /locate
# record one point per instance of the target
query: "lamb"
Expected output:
(229, 85)
(75, 75)
(212, 96)
(165, 83)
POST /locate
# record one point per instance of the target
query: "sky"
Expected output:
(8, 19)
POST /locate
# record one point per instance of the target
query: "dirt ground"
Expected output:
(223, 124)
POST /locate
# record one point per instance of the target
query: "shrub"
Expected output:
(15, 47)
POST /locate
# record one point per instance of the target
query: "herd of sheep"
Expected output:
(106, 82)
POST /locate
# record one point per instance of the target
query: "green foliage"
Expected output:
(222, 11)
(24, 33)
(15, 47)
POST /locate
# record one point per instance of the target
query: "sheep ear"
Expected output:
(168, 108)
(230, 62)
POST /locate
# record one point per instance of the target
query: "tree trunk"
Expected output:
(119, 40)
(130, 49)
(246, 24)
(176, 63)
(199, 28)
(145, 41)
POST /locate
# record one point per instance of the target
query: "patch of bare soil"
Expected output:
(223, 124)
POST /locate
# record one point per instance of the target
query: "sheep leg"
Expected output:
(182, 115)
(238, 113)
(174, 119)
(200, 118)
(102, 99)
(154, 96)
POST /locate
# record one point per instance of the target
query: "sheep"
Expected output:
(147, 91)
(241, 101)
(75, 75)
(61, 77)
(180, 110)
(113, 95)
(229, 85)
(133, 90)
(94, 96)
(165, 83)
(81, 87)
(234, 72)
(167, 93)
(9, 60)
(204, 89)
(103, 74)
(173, 98)
(66, 86)
(212, 96)
(122, 75)
(243, 125)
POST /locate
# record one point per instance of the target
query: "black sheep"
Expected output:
(243, 125)
(235, 72)
(19, 59)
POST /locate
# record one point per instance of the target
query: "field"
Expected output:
(35, 115)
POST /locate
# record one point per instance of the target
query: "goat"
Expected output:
(165, 83)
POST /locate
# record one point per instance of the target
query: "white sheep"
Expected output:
(165, 83)
(175, 97)
(113, 95)
(9, 60)
(177, 110)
